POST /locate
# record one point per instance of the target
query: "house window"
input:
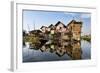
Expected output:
(71, 28)
(73, 25)
(60, 27)
(79, 32)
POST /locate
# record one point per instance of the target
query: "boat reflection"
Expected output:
(60, 48)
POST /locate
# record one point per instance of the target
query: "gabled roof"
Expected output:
(71, 22)
(43, 27)
(75, 22)
(50, 25)
(59, 23)
(35, 31)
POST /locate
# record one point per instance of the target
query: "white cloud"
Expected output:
(85, 15)
(71, 14)
(82, 15)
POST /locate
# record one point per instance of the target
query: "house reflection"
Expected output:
(76, 51)
(60, 48)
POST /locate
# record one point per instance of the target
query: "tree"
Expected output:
(24, 32)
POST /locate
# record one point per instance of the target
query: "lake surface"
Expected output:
(56, 52)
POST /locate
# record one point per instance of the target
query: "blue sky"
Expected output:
(45, 18)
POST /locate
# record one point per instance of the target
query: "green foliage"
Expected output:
(86, 37)
(33, 39)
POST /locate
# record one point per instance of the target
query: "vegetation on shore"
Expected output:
(31, 38)
(37, 38)
(86, 37)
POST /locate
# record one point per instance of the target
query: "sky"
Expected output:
(38, 19)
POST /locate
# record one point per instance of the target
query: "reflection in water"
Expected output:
(56, 50)
(72, 49)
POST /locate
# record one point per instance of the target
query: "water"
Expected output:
(55, 52)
